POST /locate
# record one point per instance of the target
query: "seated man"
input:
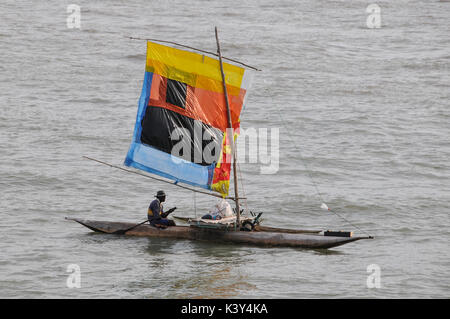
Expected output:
(156, 215)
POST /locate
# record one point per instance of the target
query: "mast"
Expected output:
(233, 151)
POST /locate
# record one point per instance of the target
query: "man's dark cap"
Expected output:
(160, 194)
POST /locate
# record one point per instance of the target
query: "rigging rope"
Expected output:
(195, 205)
(243, 190)
(318, 193)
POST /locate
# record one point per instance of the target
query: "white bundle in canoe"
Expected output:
(220, 216)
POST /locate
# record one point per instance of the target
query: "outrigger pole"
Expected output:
(231, 138)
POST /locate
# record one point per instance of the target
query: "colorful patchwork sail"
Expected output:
(181, 124)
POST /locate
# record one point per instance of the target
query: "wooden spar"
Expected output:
(200, 50)
(231, 138)
(158, 179)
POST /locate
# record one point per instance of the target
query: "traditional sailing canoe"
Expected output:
(253, 238)
(186, 127)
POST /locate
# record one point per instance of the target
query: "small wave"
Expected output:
(135, 57)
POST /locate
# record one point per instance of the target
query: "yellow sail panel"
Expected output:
(193, 69)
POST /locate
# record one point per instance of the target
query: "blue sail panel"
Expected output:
(151, 160)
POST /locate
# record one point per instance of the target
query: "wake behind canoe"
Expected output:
(254, 238)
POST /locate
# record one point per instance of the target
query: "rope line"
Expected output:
(243, 190)
(318, 193)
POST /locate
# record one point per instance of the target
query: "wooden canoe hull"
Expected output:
(255, 238)
(264, 228)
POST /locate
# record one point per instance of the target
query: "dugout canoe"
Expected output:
(253, 238)
(262, 228)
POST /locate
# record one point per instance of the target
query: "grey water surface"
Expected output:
(362, 113)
